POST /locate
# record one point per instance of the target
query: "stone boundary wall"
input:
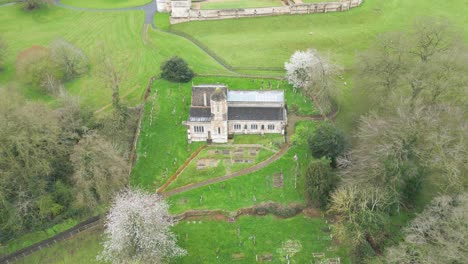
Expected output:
(325, 7)
(262, 209)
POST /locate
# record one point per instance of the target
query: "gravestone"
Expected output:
(278, 180)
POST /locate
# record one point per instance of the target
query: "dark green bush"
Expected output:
(176, 70)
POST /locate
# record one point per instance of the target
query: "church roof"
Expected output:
(256, 113)
(200, 114)
(256, 96)
(199, 91)
(218, 95)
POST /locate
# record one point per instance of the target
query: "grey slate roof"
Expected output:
(200, 114)
(199, 90)
(256, 96)
(255, 113)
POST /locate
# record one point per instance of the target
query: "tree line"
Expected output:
(64, 161)
(412, 135)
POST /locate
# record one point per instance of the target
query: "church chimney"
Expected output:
(204, 99)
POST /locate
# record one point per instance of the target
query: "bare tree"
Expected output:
(70, 58)
(361, 213)
(391, 150)
(437, 235)
(138, 230)
(99, 171)
(380, 67)
(112, 73)
(431, 36)
(35, 66)
(35, 4)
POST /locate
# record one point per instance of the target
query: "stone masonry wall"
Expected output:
(325, 7)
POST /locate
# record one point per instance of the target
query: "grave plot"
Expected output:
(278, 180)
(217, 161)
(203, 164)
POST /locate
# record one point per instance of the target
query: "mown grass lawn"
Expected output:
(105, 3)
(121, 33)
(270, 41)
(224, 242)
(82, 248)
(229, 4)
(163, 147)
(32, 238)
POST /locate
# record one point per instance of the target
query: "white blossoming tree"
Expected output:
(138, 230)
(312, 73)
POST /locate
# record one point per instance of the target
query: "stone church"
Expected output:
(218, 113)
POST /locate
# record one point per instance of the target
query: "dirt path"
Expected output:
(180, 170)
(255, 168)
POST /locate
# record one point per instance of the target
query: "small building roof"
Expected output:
(276, 96)
(256, 113)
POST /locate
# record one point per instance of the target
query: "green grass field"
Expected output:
(229, 4)
(121, 34)
(83, 248)
(31, 238)
(270, 41)
(220, 242)
(105, 3)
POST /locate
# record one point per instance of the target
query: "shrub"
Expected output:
(176, 70)
(320, 181)
(328, 141)
(35, 66)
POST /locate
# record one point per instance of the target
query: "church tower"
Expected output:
(219, 109)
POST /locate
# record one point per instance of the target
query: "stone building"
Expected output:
(217, 113)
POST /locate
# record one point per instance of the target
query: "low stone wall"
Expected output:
(325, 7)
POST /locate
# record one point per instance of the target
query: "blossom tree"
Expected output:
(138, 230)
(312, 73)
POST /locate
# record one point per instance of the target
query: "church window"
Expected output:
(219, 130)
(199, 129)
(237, 126)
(271, 127)
(253, 126)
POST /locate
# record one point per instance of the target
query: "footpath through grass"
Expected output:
(270, 41)
(105, 3)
